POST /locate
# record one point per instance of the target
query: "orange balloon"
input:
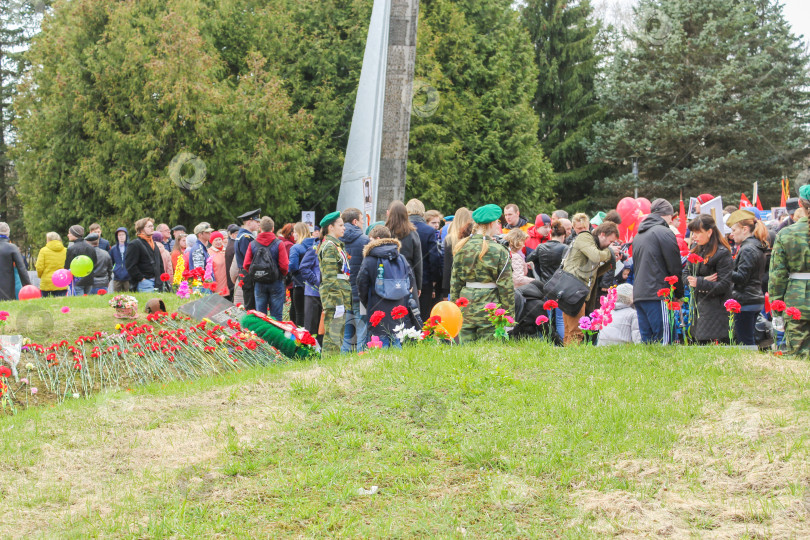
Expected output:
(451, 317)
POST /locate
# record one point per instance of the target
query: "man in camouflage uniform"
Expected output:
(482, 280)
(335, 289)
(790, 277)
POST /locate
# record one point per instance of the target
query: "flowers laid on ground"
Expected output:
(65, 309)
(433, 329)
(183, 290)
(123, 301)
(541, 319)
(399, 312)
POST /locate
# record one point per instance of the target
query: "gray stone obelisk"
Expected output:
(397, 110)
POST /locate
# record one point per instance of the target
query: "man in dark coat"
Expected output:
(432, 261)
(82, 285)
(656, 256)
(354, 333)
(10, 260)
(233, 230)
(250, 224)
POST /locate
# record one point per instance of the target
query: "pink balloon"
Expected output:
(62, 278)
(28, 292)
(644, 204)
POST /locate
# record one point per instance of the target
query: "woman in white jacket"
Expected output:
(624, 328)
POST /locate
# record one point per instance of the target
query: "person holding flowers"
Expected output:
(381, 254)
(789, 280)
(482, 273)
(710, 280)
(749, 270)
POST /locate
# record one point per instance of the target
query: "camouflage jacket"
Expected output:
(494, 267)
(334, 262)
(791, 254)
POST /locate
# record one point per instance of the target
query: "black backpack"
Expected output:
(264, 266)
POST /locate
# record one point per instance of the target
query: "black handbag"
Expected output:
(569, 292)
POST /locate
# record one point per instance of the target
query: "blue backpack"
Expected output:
(393, 279)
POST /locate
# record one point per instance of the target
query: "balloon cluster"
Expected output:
(631, 211)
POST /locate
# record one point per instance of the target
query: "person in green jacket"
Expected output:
(789, 279)
(587, 261)
(482, 273)
(51, 258)
(335, 289)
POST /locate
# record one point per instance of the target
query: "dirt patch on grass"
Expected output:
(738, 472)
(82, 459)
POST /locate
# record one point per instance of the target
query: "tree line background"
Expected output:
(539, 104)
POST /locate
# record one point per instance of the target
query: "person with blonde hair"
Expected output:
(51, 258)
(303, 242)
(516, 239)
(460, 228)
(750, 268)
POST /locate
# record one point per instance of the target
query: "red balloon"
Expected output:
(630, 213)
(627, 207)
(29, 291)
(644, 204)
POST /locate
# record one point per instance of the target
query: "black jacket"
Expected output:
(353, 243)
(80, 247)
(432, 262)
(749, 270)
(374, 252)
(10, 260)
(655, 257)
(547, 258)
(143, 262)
(411, 249)
(711, 320)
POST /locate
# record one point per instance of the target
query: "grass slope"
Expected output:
(503, 440)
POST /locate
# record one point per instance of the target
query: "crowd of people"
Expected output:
(340, 273)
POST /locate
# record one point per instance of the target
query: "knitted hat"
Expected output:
(704, 198)
(215, 235)
(77, 231)
(624, 294)
(662, 207)
(804, 192)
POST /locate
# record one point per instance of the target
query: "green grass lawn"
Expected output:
(493, 440)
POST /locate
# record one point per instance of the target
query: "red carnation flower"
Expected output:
(732, 306)
(663, 292)
(462, 302)
(399, 312)
(794, 313)
(376, 318)
(5, 371)
(436, 319)
(550, 304)
(778, 306)
(694, 258)
(672, 280)
(102, 292)
(165, 276)
(674, 306)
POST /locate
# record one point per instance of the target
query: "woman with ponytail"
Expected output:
(710, 280)
(749, 270)
(790, 277)
(482, 274)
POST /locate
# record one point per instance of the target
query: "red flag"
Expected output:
(784, 198)
(744, 202)
(682, 218)
(759, 203)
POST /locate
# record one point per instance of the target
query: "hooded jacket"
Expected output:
(309, 269)
(265, 239)
(353, 243)
(749, 270)
(143, 262)
(522, 224)
(296, 256)
(81, 247)
(51, 258)
(623, 328)
(655, 257)
(376, 251)
(117, 253)
(534, 240)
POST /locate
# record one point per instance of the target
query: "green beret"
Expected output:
(804, 192)
(328, 219)
(487, 214)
